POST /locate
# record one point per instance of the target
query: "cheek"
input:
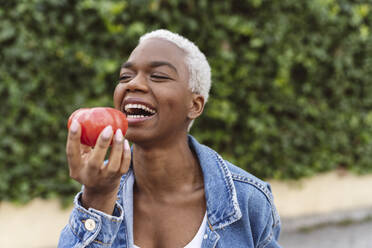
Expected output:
(118, 95)
(179, 101)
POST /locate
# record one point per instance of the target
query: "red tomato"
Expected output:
(94, 120)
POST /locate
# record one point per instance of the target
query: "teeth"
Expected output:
(135, 116)
(139, 106)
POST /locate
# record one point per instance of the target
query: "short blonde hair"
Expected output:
(199, 69)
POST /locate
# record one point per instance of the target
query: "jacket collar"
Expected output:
(220, 193)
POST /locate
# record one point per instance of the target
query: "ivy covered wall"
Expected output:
(291, 94)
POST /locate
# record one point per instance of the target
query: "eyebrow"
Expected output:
(127, 65)
(152, 64)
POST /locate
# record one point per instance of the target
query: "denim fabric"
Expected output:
(240, 210)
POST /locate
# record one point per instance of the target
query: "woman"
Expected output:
(170, 191)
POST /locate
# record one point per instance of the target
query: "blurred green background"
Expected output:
(291, 93)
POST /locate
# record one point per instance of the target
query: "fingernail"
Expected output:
(126, 145)
(74, 126)
(119, 136)
(107, 132)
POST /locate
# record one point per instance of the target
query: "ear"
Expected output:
(196, 106)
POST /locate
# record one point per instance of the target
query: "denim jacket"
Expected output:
(240, 211)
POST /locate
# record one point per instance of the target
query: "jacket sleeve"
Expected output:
(271, 228)
(90, 228)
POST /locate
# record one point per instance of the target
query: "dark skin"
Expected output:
(169, 202)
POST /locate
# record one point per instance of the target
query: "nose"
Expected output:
(138, 83)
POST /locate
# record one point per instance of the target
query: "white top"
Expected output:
(197, 240)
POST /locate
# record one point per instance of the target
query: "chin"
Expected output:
(134, 136)
(140, 136)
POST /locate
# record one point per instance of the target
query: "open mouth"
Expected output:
(137, 111)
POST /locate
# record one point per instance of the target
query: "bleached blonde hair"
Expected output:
(198, 66)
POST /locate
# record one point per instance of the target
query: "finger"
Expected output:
(85, 148)
(100, 149)
(113, 165)
(73, 145)
(126, 158)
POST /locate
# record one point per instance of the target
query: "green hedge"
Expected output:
(291, 94)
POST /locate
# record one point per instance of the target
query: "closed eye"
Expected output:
(161, 77)
(124, 78)
(157, 77)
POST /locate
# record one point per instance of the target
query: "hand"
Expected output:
(101, 182)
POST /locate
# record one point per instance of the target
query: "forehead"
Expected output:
(156, 49)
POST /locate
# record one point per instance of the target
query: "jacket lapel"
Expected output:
(220, 193)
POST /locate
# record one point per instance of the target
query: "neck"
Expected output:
(166, 170)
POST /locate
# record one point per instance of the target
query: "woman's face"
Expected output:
(153, 92)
